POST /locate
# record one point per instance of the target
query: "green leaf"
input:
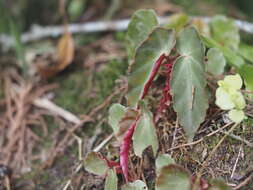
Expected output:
(177, 21)
(173, 177)
(126, 121)
(235, 60)
(163, 160)
(188, 82)
(247, 74)
(236, 115)
(95, 164)
(141, 24)
(246, 51)
(145, 133)
(231, 56)
(160, 41)
(111, 181)
(116, 113)
(136, 185)
(218, 185)
(225, 32)
(216, 61)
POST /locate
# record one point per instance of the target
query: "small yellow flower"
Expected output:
(229, 97)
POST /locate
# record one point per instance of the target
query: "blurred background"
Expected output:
(81, 73)
(29, 12)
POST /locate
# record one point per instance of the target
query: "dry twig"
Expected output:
(39, 32)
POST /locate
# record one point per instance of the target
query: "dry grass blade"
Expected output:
(18, 118)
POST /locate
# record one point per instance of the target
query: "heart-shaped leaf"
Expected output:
(225, 32)
(126, 121)
(111, 181)
(141, 24)
(136, 185)
(173, 177)
(95, 164)
(160, 42)
(145, 134)
(216, 61)
(188, 82)
(163, 160)
(234, 60)
(116, 113)
(231, 56)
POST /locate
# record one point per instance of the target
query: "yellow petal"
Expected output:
(238, 100)
(233, 81)
(223, 99)
(236, 115)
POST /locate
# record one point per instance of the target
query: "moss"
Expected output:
(71, 94)
(106, 78)
(76, 91)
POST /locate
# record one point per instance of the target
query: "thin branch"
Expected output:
(103, 143)
(200, 140)
(47, 104)
(245, 182)
(39, 32)
(205, 163)
(236, 162)
(249, 144)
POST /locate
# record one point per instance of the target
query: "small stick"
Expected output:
(211, 154)
(174, 135)
(96, 149)
(103, 143)
(200, 140)
(38, 32)
(239, 139)
(245, 182)
(107, 101)
(80, 142)
(237, 159)
(67, 185)
(47, 104)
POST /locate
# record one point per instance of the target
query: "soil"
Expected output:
(86, 88)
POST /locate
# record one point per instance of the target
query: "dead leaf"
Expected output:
(65, 55)
(65, 51)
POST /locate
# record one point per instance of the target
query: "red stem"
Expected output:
(125, 147)
(166, 98)
(153, 74)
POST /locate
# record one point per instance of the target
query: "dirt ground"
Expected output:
(42, 148)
